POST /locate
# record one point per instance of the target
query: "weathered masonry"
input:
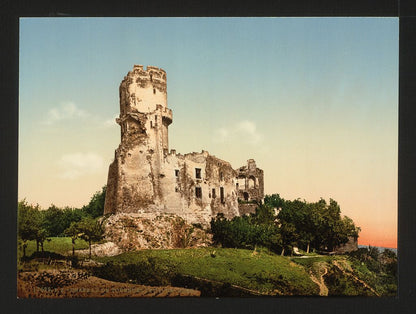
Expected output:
(146, 177)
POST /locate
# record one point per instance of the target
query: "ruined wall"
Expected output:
(249, 186)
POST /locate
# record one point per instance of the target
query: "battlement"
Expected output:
(151, 72)
(148, 68)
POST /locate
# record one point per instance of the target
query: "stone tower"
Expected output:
(133, 180)
(144, 91)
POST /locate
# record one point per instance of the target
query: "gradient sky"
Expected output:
(313, 100)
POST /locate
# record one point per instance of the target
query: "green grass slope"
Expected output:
(259, 271)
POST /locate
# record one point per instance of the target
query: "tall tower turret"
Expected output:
(143, 98)
(134, 177)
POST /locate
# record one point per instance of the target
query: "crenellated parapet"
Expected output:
(143, 89)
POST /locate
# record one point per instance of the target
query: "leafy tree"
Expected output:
(29, 225)
(90, 230)
(264, 215)
(53, 221)
(95, 207)
(274, 200)
(73, 232)
(288, 237)
(246, 231)
(41, 237)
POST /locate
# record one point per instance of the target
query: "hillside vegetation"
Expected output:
(240, 272)
(235, 272)
(247, 256)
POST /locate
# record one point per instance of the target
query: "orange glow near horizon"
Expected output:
(376, 237)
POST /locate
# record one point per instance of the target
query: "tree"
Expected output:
(53, 221)
(90, 230)
(95, 207)
(274, 200)
(288, 237)
(29, 225)
(264, 215)
(73, 232)
(40, 238)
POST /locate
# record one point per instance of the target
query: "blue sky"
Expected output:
(313, 100)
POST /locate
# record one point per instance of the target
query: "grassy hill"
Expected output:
(235, 272)
(211, 269)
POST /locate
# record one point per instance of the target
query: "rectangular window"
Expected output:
(222, 195)
(198, 192)
(198, 173)
(213, 193)
(176, 189)
(176, 173)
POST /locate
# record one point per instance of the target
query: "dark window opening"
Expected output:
(245, 194)
(154, 90)
(198, 192)
(151, 124)
(176, 173)
(236, 185)
(222, 195)
(213, 193)
(151, 78)
(198, 173)
(221, 176)
(176, 189)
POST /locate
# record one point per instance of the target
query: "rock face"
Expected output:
(130, 232)
(350, 246)
(145, 177)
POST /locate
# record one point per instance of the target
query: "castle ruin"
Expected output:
(146, 177)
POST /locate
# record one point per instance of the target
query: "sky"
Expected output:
(313, 100)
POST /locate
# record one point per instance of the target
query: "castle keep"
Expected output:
(146, 177)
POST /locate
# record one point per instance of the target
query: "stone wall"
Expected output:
(250, 187)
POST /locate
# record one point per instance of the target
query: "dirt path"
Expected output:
(354, 277)
(323, 289)
(55, 284)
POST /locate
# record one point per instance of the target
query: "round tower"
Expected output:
(144, 91)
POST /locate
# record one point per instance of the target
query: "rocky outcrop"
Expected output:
(129, 232)
(350, 246)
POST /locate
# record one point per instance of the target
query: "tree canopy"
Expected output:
(281, 224)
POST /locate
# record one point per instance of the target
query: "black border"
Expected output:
(9, 78)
